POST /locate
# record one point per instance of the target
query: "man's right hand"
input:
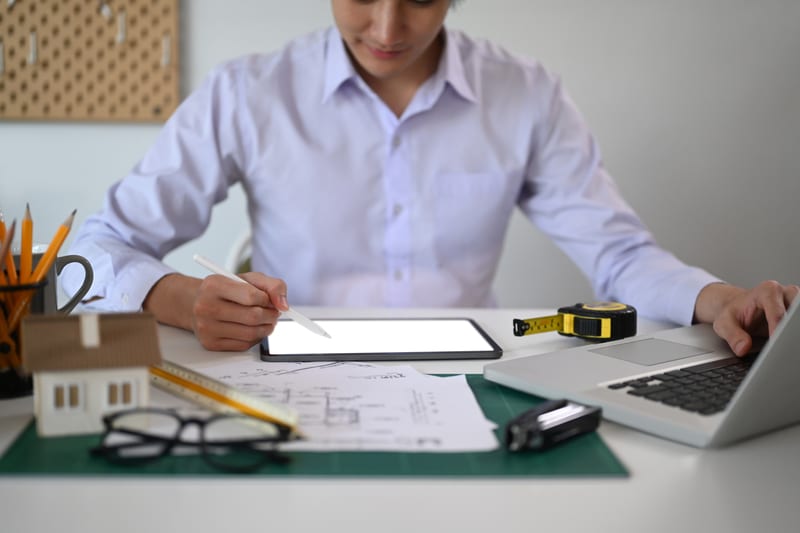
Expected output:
(223, 314)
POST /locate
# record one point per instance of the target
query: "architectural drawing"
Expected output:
(359, 406)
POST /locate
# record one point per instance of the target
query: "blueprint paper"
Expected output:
(352, 406)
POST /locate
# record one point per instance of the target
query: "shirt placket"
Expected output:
(398, 190)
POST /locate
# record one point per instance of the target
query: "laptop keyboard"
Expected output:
(705, 388)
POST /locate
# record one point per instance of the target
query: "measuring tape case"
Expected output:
(602, 321)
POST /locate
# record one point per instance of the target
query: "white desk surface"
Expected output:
(751, 486)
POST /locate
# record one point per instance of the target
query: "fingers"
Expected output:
(756, 312)
(233, 316)
(790, 294)
(773, 299)
(220, 287)
(737, 338)
(229, 337)
(274, 287)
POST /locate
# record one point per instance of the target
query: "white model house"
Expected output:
(87, 365)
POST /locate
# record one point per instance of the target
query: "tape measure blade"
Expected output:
(544, 324)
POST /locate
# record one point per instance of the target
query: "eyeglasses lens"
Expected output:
(142, 434)
(239, 443)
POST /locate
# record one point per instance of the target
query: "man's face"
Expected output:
(392, 39)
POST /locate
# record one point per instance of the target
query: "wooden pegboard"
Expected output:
(90, 60)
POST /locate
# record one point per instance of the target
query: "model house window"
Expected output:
(68, 397)
(120, 394)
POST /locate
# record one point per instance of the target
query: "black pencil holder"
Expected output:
(14, 381)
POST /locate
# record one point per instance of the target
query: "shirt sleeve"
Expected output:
(569, 195)
(164, 202)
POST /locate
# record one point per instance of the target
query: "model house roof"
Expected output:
(88, 341)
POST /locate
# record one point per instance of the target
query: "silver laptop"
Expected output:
(680, 384)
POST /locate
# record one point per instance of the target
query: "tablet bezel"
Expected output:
(494, 353)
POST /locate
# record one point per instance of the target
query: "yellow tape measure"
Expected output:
(599, 321)
(218, 396)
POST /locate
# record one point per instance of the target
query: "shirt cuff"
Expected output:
(682, 300)
(134, 283)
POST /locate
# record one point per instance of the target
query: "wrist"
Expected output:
(171, 300)
(712, 299)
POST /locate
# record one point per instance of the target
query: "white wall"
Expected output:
(696, 104)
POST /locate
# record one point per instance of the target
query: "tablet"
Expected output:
(381, 339)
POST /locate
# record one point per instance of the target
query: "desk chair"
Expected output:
(238, 259)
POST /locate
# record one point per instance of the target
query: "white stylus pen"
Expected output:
(291, 313)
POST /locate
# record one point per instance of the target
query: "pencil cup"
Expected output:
(13, 380)
(45, 301)
(19, 300)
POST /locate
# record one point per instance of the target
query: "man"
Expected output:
(382, 160)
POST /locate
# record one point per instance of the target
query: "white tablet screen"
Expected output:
(365, 339)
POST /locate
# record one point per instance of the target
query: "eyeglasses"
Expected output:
(237, 443)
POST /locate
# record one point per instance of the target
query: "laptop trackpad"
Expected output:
(650, 351)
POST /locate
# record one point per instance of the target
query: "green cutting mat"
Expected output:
(584, 456)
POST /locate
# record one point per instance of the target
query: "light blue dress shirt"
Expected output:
(353, 206)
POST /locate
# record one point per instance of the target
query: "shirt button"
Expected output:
(396, 143)
(398, 274)
(397, 209)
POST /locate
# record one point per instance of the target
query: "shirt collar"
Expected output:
(339, 69)
(452, 69)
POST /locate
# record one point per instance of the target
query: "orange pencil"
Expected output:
(6, 299)
(42, 267)
(11, 270)
(5, 248)
(26, 247)
(49, 256)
